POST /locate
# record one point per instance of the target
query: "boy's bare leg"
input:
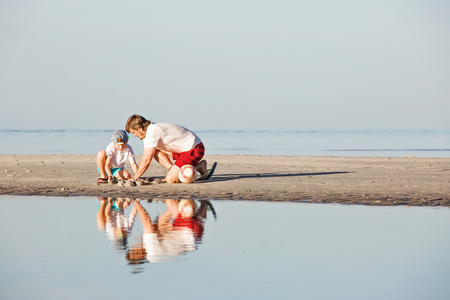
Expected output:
(124, 174)
(163, 159)
(101, 161)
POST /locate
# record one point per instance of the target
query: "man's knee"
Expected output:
(171, 180)
(172, 175)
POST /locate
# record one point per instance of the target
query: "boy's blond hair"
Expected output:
(135, 122)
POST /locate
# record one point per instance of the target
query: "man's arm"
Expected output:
(145, 162)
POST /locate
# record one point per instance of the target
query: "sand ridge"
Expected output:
(348, 180)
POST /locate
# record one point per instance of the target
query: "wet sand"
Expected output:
(347, 180)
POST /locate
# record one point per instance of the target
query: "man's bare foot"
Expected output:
(202, 167)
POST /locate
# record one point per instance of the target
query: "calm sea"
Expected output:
(369, 143)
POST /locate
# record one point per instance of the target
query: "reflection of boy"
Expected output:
(111, 218)
(111, 163)
(118, 226)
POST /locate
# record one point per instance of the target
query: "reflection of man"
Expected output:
(112, 219)
(176, 232)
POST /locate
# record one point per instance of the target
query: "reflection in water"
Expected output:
(111, 218)
(174, 232)
(262, 250)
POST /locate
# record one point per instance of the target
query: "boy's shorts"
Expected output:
(191, 157)
(114, 171)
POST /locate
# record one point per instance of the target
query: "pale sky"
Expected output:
(244, 64)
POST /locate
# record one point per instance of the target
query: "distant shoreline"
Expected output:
(347, 180)
(345, 143)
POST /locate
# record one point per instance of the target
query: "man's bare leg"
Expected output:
(163, 159)
(172, 175)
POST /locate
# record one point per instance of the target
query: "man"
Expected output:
(162, 140)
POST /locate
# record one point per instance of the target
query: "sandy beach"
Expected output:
(347, 180)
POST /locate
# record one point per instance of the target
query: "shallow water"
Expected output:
(65, 248)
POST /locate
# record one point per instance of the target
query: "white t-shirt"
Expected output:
(119, 158)
(170, 137)
(118, 220)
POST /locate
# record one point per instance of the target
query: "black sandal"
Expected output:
(102, 180)
(209, 173)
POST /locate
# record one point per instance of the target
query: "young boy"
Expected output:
(110, 163)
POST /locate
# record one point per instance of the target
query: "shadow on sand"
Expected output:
(227, 177)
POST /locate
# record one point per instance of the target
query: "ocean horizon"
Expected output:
(359, 143)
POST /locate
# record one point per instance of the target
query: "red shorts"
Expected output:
(191, 157)
(194, 223)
